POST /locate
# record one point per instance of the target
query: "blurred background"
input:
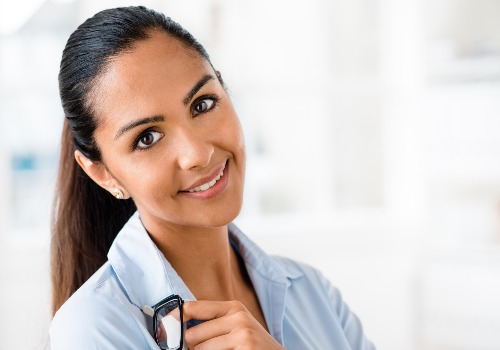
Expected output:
(372, 130)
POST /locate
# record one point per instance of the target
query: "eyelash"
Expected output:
(213, 98)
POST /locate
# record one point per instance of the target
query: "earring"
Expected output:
(117, 193)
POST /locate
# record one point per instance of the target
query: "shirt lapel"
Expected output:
(270, 280)
(146, 276)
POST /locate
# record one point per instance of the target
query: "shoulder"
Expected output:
(97, 315)
(312, 297)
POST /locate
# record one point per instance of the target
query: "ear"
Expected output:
(98, 172)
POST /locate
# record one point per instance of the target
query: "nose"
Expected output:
(193, 150)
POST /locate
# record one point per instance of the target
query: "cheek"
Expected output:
(147, 177)
(231, 136)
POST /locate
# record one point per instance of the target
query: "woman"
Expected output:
(151, 177)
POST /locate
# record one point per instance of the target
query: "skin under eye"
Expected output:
(147, 139)
(204, 104)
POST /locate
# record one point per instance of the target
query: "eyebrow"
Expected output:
(136, 123)
(159, 118)
(197, 87)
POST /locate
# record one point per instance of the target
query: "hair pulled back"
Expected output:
(86, 218)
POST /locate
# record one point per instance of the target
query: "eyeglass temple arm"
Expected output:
(148, 310)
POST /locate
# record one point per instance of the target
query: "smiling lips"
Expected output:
(207, 185)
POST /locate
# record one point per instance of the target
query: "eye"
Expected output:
(148, 139)
(204, 104)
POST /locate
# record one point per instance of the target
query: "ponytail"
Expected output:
(85, 221)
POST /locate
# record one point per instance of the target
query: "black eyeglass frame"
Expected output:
(157, 309)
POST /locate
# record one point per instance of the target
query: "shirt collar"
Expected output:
(147, 277)
(260, 261)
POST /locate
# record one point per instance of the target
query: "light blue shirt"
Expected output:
(301, 308)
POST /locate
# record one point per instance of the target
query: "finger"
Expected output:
(208, 310)
(217, 327)
(219, 343)
(230, 341)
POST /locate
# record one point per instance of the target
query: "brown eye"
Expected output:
(203, 106)
(148, 139)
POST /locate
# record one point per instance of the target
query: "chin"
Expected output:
(221, 219)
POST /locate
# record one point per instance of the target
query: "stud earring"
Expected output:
(117, 193)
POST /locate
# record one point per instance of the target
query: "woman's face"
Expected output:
(167, 131)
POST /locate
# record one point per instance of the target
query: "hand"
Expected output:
(229, 325)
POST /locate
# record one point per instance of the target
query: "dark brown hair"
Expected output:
(86, 218)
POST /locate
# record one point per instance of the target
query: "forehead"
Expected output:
(155, 72)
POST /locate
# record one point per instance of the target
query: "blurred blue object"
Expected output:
(24, 162)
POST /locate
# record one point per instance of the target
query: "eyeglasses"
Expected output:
(168, 324)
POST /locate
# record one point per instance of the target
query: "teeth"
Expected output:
(206, 186)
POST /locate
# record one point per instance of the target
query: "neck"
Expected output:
(204, 259)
